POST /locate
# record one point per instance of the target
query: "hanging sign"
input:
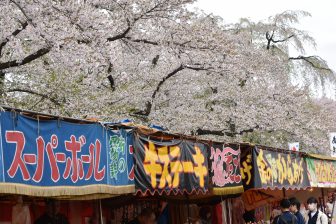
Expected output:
(321, 173)
(280, 170)
(55, 158)
(332, 142)
(263, 168)
(294, 146)
(225, 169)
(170, 166)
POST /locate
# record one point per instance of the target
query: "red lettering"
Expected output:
(74, 147)
(55, 174)
(18, 138)
(40, 159)
(90, 170)
(98, 174)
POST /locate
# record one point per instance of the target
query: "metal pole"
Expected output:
(100, 213)
(188, 209)
(333, 209)
(323, 204)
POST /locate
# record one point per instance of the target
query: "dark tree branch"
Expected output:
(123, 34)
(174, 72)
(111, 80)
(307, 59)
(23, 12)
(16, 32)
(119, 36)
(149, 104)
(143, 41)
(156, 43)
(270, 39)
(27, 59)
(110, 77)
(200, 131)
(45, 96)
(287, 38)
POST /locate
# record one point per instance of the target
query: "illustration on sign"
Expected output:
(225, 166)
(117, 151)
(120, 153)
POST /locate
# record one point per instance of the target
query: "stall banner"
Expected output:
(246, 167)
(332, 142)
(321, 173)
(267, 168)
(255, 198)
(225, 169)
(50, 157)
(120, 157)
(294, 146)
(170, 166)
(274, 169)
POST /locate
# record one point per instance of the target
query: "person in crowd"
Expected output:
(331, 208)
(249, 217)
(204, 215)
(163, 215)
(52, 214)
(295, 209)
(286, 216)
(147, 216)
(315, 216)
(20, 212)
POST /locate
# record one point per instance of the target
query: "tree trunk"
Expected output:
(2, 86)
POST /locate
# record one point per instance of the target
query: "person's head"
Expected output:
(147, 216)
(294, 205)
(249, 217)
(52, 207)
(19, 199)
(312, 204)
(205, 213)
(285, 204)
(330, 197)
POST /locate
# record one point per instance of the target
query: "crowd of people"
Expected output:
(291, 213)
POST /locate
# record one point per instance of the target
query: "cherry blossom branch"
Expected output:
(270, 39)
(15, 33)
(308, 60)
(149, 104)
(45, 96)
(27, 59)
(23, 12)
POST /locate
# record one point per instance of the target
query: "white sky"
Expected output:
(321, 26)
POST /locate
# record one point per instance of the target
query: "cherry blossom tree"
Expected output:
(156, 62)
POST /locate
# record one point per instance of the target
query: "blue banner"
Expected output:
(120, 157)
(52, 153)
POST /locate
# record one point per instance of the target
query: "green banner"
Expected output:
(321, 173)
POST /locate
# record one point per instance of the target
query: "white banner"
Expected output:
(332, 141)
(294, 146)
